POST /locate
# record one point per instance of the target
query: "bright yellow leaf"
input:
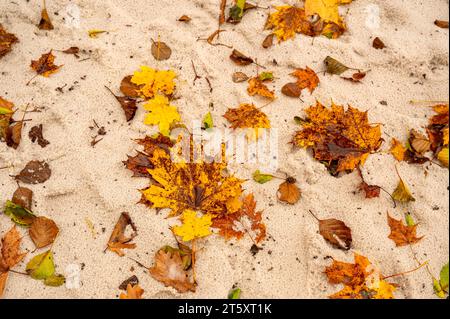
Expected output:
(193, 227)
(443, 156)
(161, 113)
(328, 10)
(397, 150)
(152, 82)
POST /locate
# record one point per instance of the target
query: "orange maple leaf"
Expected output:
(402, 234)
(133, 292)
(257, 87)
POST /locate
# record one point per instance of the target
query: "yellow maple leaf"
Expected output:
(197, 186)
(341, 139)
(153, 81)
(161, 113)
(328, 10)
(397, 150)
(193, 227)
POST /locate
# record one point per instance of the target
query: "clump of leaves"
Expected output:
(401, 234)
(438, 133)
(341, 139)
(118, 240)
(361, 280)
(10, 255)
(414, 149)
(6, 41)
(306, 78)
(317, 18)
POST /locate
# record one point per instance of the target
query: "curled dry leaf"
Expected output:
(418, 142)
(35, 134)
(6, 113)
(35, 172)
(361, 280)
(118, 240)
(356, 77)
(401, 234)
(268, 41)
(23, 197)
(240, 59)
(128, 88)
(72, 50)
(441, 24)
(184, 18)
(133, 281)
(336, 233)
(239, 77)
(10, 255)
(402, 193)
(43, 231)
(14, 134)
(334, 66)
(256, 86)
(378, 44)
(133, 292)
(161, 51)
(128, 105)
(45, 65)
(169, 270)
(18, 214)
(288, 192)
(6, 41)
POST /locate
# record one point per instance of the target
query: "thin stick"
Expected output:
(406, 272)
(193, 261)
(223, 5)
(196, 77)
(427, 102)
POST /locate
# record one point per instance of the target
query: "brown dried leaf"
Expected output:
(169, 270)
(35, 172)
(72, 50)
(378, 44)
(128, 105)
(240, 59)
(35, 133)
(133, 281)
(441, 24)
(14, 135)
(118, 240)
(289, 192)
(161, 51)
(6, 41)
(356, 77)
(371, 191)
(268, 41)
(43, 231)
(402, 234)
(184, 18)
(138, 164)
(419, 143)
(128, 88)
(23, 197)
(336, 233)
(334, 66)
(239, 77)
(291, 89)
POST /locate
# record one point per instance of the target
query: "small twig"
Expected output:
(310, 211)
(223, 4)
(18, 272)
(209, 84)
(197, 77)
(139, 263)
(406, 272)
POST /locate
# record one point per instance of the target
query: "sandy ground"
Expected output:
(91, 183)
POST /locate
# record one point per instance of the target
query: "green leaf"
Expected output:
(237, 11)
(41, 266)
(444, 278)
(261, 178)
(265, 76)
(409, 220)
(235, 294)
(55, 280)
(438, 289)
(208, 121)
(4, 110)
(18, 214)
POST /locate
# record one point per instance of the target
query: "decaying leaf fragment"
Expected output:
(288, 191)
(43, 231)
(341, 139)
(441, 24)
(238, 77)
(35, 172)
(378, 44)
(45, 65)
(133, 292)
(128, 105)
(35, 134)
(169, 270)
(6, 41)
(118, 239)
(184, 18)
(23, 197)
(240, 58)
(361, 280)
(10, 255)
(371, 191)
(18, 214)
(94, 33)
(306, 78)
(401, 234)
